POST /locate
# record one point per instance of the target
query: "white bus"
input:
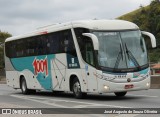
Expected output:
(90, 56)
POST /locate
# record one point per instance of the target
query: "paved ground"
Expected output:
(10, 98)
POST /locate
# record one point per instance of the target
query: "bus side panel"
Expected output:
(12, 79)
(58, 71)
(62, 69)
(12, 76)
(32, 82)
(36, 70)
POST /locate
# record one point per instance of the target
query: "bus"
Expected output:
(88, 56)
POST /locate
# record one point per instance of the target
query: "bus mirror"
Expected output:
(94, 40)
(152, 37)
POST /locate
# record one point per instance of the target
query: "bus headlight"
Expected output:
(106, 87)
(148, 84)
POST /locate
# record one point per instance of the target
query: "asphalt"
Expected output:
(10, 98)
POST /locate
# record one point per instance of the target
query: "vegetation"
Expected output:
(3, 36)
(148, 19)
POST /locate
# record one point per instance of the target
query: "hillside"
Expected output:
(130, 16)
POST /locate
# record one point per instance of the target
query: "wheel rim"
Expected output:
(76, 88)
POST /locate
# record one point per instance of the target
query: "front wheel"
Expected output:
(76, 88)
(120, 94)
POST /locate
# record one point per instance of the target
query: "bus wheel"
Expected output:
(77, 89)
(120, 94)
(24, 86)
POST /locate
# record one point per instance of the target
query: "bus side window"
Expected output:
(53, 43)
(10, 49)
(89, 54)
(87, 51)
(69, 46)
(42, 45)
(61, 42)
(20, 48)
(31, 46)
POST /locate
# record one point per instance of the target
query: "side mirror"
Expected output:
(94, 40)
(152, 37)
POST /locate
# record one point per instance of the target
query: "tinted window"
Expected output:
(10, 48)
(86, 46)
(69, 46)
(52, 43)
(87, 50)
(30, 46)
(19, 48)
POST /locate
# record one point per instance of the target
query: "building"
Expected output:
(155, 69)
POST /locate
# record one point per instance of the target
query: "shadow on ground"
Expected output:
(96, 97)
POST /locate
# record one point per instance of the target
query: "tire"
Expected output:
(24, 88)
(120, 94)
(76, 88)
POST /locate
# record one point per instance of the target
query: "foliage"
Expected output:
(148, 19)
(3, 36)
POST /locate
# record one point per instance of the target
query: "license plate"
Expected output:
(129, 86)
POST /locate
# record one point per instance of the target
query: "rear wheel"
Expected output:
(76, 88)
(120, 94)
(24, 88)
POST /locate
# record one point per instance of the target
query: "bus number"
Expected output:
(40, 66)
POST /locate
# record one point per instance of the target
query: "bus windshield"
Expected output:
(121, 50)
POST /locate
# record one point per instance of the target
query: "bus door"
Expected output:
(90, 71)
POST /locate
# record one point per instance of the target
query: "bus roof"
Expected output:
(109, 25)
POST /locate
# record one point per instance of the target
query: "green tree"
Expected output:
(3, 36)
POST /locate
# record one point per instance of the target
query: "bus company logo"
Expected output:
(40, 66)
(136, 74)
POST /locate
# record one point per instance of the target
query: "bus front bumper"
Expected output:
(109, 87)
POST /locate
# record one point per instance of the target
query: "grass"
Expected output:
(130, 16)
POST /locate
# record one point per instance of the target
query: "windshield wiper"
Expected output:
(120, 55)
(131, 57)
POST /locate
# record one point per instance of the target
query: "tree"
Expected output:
(3, 36)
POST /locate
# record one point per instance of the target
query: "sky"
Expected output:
(21, 16)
